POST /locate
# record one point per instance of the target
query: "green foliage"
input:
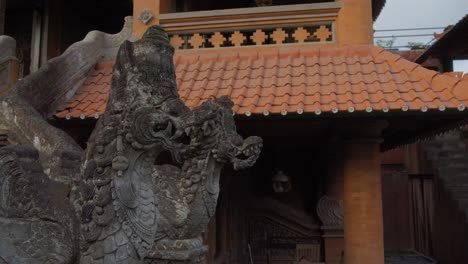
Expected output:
(417, 45)
(386, 44)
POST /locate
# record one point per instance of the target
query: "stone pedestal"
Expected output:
(334, 244)
(363, 221)
(330, 212)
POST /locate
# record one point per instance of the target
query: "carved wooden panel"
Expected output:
(309, 252)
(273, 241)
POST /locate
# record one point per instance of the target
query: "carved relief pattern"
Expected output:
(176, 41)
(217, 40)
(257, 37)
(237, 38)
(274, 240)
(26, 205)
(330, 212)
(196, 41)
(145, 16)
(301, 35)
(322, 33)
(279, 36)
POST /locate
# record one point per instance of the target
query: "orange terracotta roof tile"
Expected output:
(294, 80)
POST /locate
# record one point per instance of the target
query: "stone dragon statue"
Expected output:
(149, 181)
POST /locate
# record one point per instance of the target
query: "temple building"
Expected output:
(363, 161)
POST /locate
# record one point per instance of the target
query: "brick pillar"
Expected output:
(145, 14)
(363, 219)
(354, 24)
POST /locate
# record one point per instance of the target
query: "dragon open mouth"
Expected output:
(247, 153)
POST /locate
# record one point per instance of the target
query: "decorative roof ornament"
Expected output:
(330, 212)
(146, 16)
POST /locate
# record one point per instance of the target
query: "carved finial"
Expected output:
(146, 16)
(330, 212)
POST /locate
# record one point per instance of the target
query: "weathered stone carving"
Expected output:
(37, 224)
(149, 182)
(330, 212)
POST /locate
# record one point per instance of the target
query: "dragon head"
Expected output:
(146, 118)
(211, 128)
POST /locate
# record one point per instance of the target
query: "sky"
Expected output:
(410, 14)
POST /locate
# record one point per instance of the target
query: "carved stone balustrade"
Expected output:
(258, 26)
